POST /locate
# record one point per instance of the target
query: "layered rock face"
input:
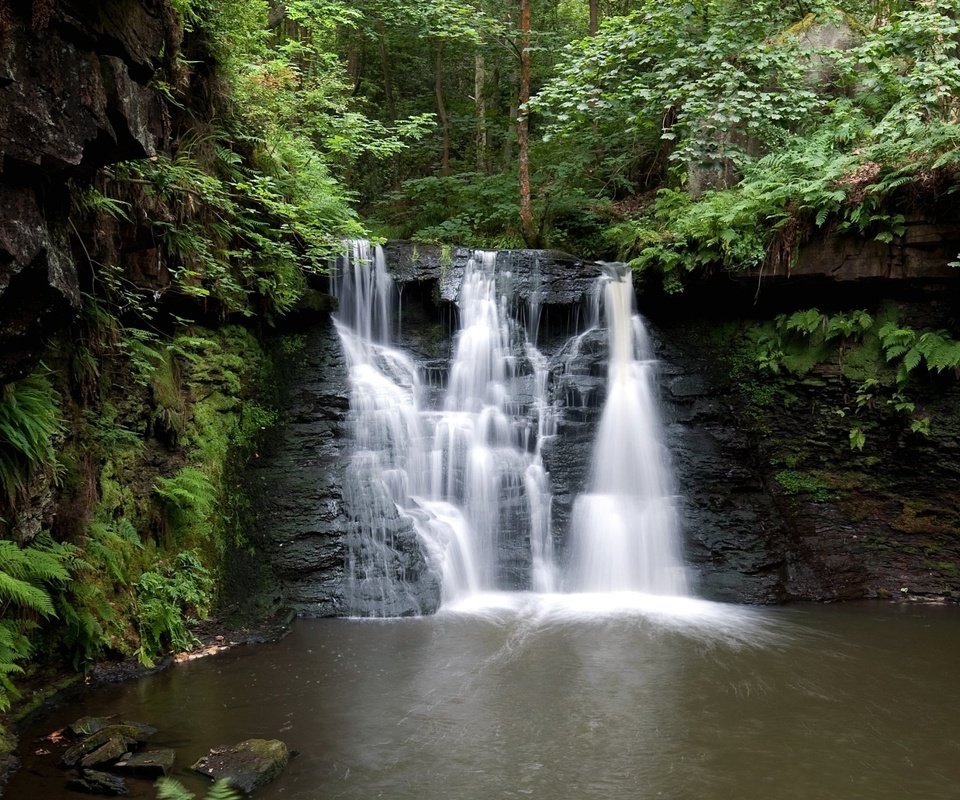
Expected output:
(297, 480)
(774, 504)
(74, 96)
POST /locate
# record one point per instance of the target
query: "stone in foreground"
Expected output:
(109, 751)
(93, 781)
(245, 766)
(87, 726)
(148, 764)
(129, 735)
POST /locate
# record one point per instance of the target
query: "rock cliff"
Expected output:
(775, 504)
(75, 95)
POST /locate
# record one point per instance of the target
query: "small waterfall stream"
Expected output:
(625, 532)
(459, 474)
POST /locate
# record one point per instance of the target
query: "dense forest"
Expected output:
(172, 203)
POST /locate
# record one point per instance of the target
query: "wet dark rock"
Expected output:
(297, 482)
(746, 537)
(389, 574)
(95, 782)
(111, 750)
(925, 251)
(549, 277)
(86, 726)
(129, 735)
(304, 521)
(245, 766)
(145, 731)
(82, 91)
(148, 764)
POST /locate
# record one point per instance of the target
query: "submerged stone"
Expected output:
(93, 781)
(86, 726)
(148, 764)
(145, 731)
(245, 766)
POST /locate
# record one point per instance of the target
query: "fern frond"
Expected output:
(26, 595)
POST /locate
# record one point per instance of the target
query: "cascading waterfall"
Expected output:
(463, 476)
(625, 531)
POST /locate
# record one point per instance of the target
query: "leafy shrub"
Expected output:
(29, 420)
(188, 499)
(27, 576)
(168, 596)
(169, 789)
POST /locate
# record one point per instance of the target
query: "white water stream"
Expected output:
(469, 473)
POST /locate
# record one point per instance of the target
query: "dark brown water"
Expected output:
(560, 703)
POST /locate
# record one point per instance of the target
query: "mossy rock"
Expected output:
(148, 764)
(246, 766)
(129, 735)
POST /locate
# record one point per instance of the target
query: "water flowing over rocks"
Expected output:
(744, 539)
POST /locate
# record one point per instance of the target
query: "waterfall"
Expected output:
(625, 531)
(451, 486)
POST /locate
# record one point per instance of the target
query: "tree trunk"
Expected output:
(354, 63)
(385, 67)
(523, 129)
(594, 17)
(479, 86)
(511, 133)
(442, 111)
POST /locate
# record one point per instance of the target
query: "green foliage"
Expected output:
(907, 349)
(168, 596)
(189, 499)
(684, 80)
(467, 208)
(27, 576)
(848, 326)
(794, 482)
(169, 789)
(857, 438)
(29, 422)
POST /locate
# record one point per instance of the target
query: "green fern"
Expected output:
(169, 789)
(939, 351)
(110, 546)
(30, 419)
(27, 574)
(189, 499)
(805, 323)
(848, 326)
(167, 597)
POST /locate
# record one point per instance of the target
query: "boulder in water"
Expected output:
(87, 726)
(246, 766)
(148, 764)
(93, 781)
(126, 735)
(109, 751)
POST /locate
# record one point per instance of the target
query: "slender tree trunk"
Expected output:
(442, 111)
(388, 95)
(510, 135)
(479, 87)
(523, 129)
(354, 62)
(594, 17)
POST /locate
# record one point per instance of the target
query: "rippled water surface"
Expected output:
(570, 697)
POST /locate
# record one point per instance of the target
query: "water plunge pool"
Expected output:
(557, 697)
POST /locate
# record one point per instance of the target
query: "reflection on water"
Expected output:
(551, 697)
